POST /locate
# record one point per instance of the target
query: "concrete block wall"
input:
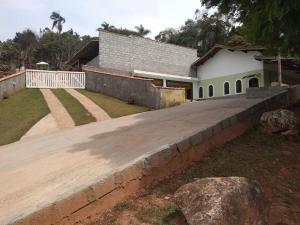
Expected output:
(86, 206)
(12, 84)
(139, 90)
(128, 53)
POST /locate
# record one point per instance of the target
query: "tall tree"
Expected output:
(25, 40)
(274, 24)
(204, 29)
(58, 21)
(107, 26)
(213, 30)
(9, 52)
(142, 31)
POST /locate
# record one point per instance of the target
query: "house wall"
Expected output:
(12, 84)
(225, 63)
(218, 83)
(134, 53)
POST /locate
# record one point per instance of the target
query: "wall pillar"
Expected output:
(195, 91)
(164, 83)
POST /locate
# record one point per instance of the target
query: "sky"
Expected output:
(85, 16)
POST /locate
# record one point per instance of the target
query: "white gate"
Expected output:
(54, 79)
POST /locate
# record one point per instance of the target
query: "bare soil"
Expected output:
(270, 159)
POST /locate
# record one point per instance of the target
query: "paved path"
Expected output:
(46, 125)
(35, 173)
(90, 106)
(58, 111)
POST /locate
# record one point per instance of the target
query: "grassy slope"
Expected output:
(79, 114)
(19, 113)
(270, 159)
(114, 107)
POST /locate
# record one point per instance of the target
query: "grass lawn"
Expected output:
(270, 159)
(114, 107)
(78, 113)
(19, 113)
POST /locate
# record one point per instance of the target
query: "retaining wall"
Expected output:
(12, 84)
(169, 160)
(140, 91)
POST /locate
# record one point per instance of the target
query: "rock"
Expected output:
(279, 120)
(221, 201)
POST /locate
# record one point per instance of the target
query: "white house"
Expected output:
(222, 71)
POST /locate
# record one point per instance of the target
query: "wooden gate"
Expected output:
(54, 79)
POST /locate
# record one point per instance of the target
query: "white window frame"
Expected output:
(208, 91)
(241, 87)
(224, 88)
(202, 92)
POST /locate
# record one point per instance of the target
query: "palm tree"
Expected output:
(58, 20)
(25, 41)
(107, 26)
(142, 31)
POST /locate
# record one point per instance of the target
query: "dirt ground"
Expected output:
(270, 159)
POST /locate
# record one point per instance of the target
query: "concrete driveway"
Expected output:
(37, 172)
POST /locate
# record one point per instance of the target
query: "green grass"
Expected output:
(19, 113)
(159, 215)
(122, 205)
(114, 107)
(78, 113)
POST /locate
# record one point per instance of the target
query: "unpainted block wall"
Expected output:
(139, 90)
(128, 53)
(12, 84)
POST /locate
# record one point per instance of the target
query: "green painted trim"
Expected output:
(218, 83)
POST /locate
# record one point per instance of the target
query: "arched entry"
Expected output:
(253, 82)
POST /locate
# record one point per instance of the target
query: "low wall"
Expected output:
(170, 97)
(84, 207)
(12, 84)
(140, 91)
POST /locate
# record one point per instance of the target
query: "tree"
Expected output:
(58, 21)
(213, 30)
(166, 35)
(9, 52)
(25, 41)
(107, 26)
(204, 29)
(142, 31)
(273, 24)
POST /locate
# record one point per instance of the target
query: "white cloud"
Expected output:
(85, 16)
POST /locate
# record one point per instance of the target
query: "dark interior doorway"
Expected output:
(253, 82)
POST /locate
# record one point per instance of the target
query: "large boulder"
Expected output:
(279, 120)
(221, 201)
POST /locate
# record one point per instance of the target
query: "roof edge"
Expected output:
(218, 47)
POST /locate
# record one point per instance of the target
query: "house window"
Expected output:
(210, 91)
(238, 86)
(253, 82)
(200, 92)
(226, 88)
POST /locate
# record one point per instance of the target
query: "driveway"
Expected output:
(37, 172)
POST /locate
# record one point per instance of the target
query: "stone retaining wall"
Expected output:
(12, 84)
(140, 91)
(84, 207)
